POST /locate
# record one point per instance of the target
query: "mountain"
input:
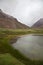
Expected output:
(38, 24)
(7, 21)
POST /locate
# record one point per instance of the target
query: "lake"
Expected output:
(31, 46)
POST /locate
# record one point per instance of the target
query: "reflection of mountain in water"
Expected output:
(13, 40)
(37, 34)
(31, 46)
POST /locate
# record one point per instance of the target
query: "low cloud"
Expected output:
(26, 11)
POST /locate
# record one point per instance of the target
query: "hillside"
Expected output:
(7, 21)
(38, 24)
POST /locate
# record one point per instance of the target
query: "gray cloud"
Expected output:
(26, 11)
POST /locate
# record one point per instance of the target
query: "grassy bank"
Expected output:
(5, 47)
(7, 59)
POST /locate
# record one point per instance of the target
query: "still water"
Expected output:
(31, 46)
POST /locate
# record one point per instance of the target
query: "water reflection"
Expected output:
(31, 46)
(13, 40)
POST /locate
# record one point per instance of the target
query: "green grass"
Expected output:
(7, 59)
(5, 47)
(6, 35)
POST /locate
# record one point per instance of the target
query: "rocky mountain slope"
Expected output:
(38, 24)
(7, 21)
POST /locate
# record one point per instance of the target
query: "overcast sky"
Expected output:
(26, 11)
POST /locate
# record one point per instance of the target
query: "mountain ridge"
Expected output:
(7, 21)
(38, 24)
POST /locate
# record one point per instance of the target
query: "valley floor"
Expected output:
(11, 56)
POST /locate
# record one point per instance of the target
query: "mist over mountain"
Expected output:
(38, 24)
(7, 21)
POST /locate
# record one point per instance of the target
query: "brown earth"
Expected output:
(7, 21)
(38, 24)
